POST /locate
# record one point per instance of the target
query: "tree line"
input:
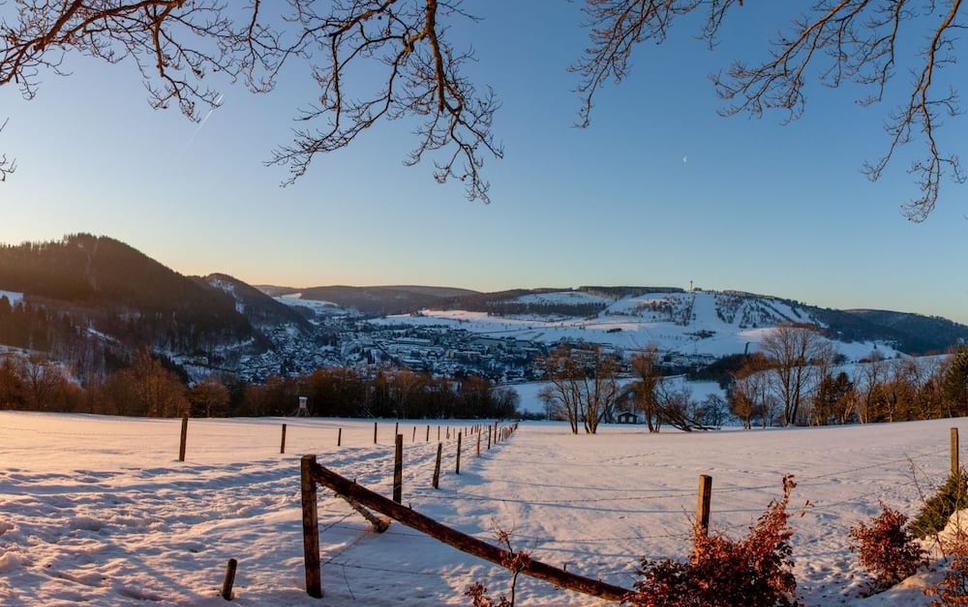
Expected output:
(150, 386)
(795, 380)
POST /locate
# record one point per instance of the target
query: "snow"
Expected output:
(12, 296)
(687, 324)
(96, 510)
(316, 305)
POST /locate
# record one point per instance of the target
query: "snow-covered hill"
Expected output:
(701, 324)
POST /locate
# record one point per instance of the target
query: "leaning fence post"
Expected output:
(428, 433)
(339, 438)
(413, 439)
(398, 470)
(310, 522)
(954, 452)
(457, 469)
(282, 446)
(488, 438)
(184, 439)
(229, 580)
(702, 508)
(440, 448)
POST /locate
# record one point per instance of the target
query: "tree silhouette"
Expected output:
(179, 45)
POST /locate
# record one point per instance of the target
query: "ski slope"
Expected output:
(96, 510)
(695, 324)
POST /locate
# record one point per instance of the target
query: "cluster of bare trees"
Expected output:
(379, 60)
(795, 380)
(584, 388)
(660, 402)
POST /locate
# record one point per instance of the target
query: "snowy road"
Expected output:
(97, 510)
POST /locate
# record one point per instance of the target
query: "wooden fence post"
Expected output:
(413, 439)
(339, 438)
(438, 433)
(428, 433)
(396, 428)
(282, 446)
(398, 470)
(310, 522)
(440, 448)
(374, 433)
(478, 444)
(955, 466)
(229, 580)
(457, 469)
(702, 507)
(184, 439)
(488, 438)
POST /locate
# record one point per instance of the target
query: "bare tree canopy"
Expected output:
(178, 45)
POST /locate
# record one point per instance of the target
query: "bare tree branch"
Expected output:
(844, 40)
(381, 60)
(422, 79)
(7, 165)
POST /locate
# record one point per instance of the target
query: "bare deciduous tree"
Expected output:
(794, 350)
(643, 390)
(178, 45)
(583, 386)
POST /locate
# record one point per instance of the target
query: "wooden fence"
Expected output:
(366, 502)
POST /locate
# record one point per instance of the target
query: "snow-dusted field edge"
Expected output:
(96, 510)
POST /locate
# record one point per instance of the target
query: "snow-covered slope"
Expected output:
(691, 324)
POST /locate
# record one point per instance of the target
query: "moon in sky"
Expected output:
(685, 159)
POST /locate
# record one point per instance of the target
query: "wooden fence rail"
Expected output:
(313, 473)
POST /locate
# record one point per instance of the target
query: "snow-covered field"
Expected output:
(97, 511)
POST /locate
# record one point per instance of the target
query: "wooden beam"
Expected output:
(184, 439)
(310, 520)
(704, 502)
(379, 524)
(398, 470)
(229, 580)
(954, 452)
(461, 541)
(436, 481)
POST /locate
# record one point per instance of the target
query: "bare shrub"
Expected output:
(952, 591)
(887, 550)
(515, 562)
(755, 571)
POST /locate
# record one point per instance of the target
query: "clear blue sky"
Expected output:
(757, 206)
